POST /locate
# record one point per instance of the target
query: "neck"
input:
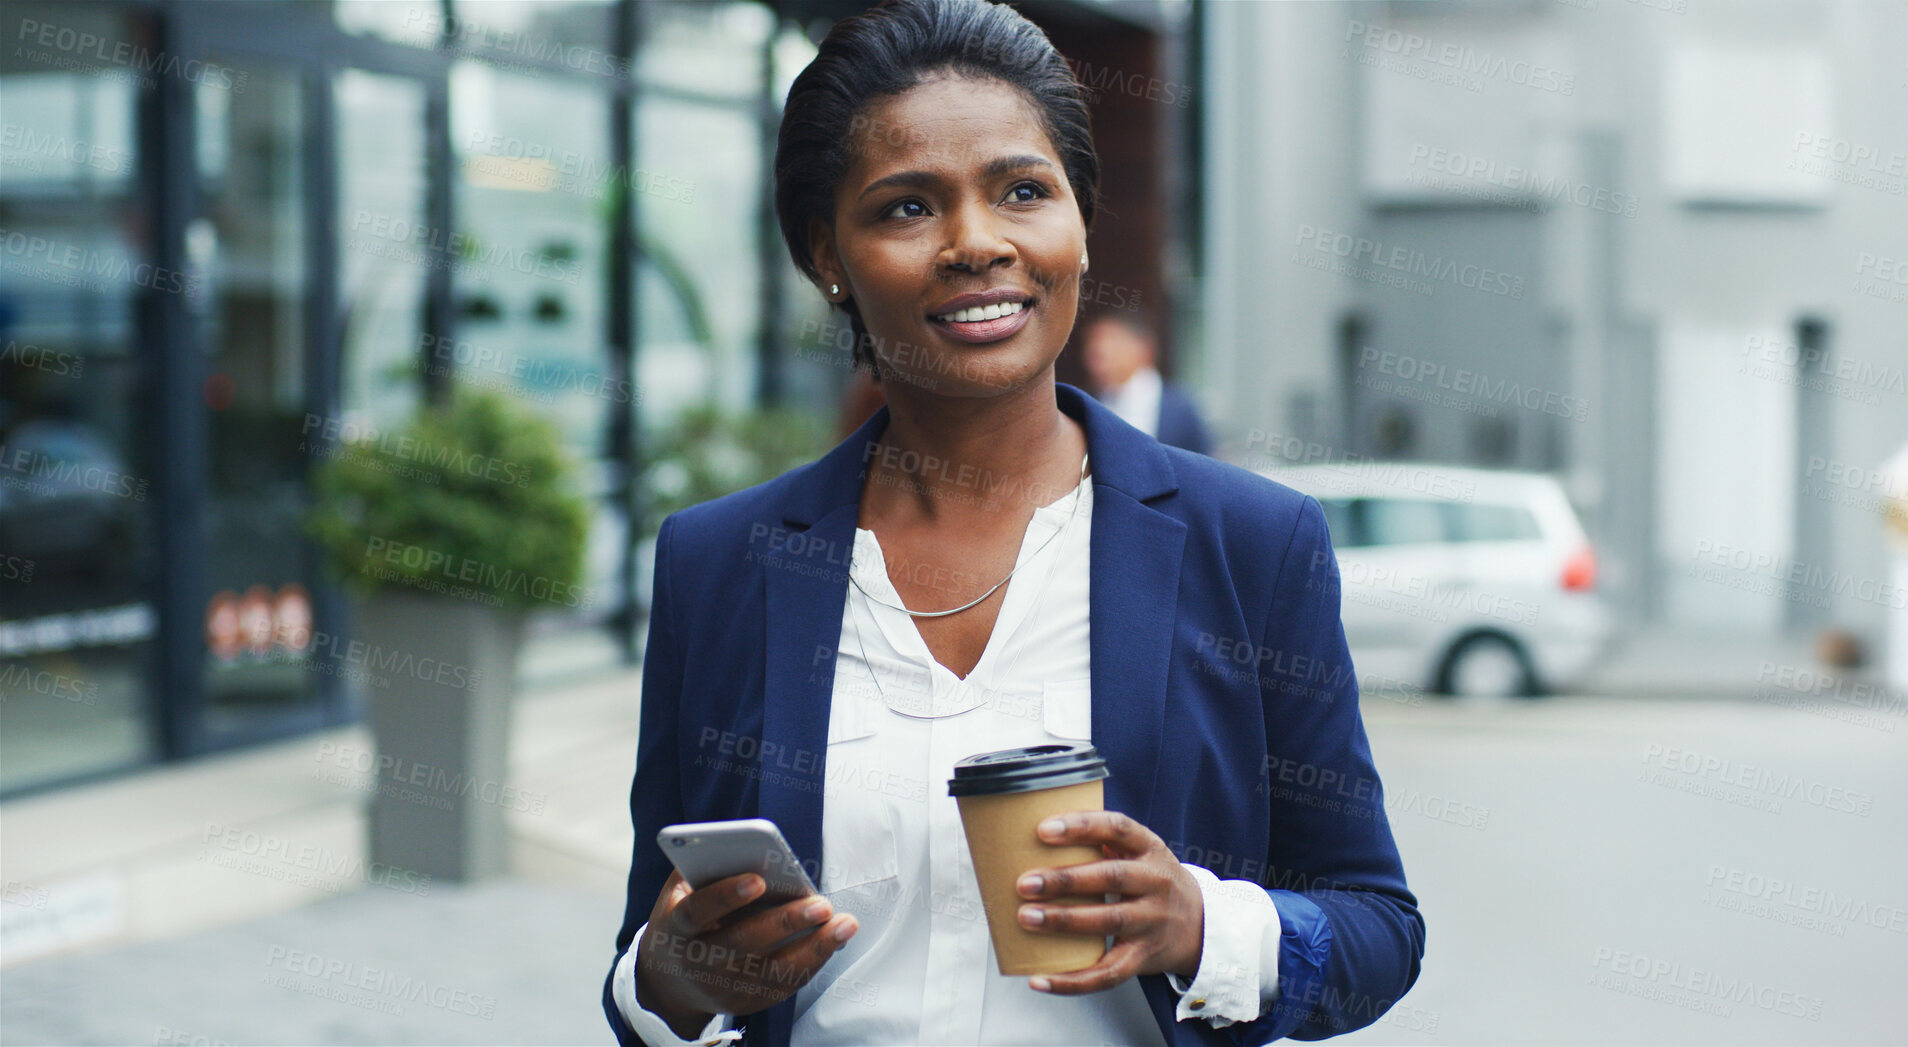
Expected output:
(943, 456)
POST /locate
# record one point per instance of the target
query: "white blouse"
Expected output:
(921, 967)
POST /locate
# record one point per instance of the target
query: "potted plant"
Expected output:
(448, 532)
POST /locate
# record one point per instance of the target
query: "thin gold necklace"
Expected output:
(980, 698)
(982, 597)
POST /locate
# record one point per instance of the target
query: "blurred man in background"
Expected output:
(1120, 350)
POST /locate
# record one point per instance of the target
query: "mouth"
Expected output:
(985, 323)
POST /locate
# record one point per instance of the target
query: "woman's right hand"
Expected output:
(692, 963)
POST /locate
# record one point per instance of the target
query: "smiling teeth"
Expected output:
(976, 313)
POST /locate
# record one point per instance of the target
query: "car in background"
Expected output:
(1459, 581)
(67, 502)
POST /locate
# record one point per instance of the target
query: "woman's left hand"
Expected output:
(1157, 925)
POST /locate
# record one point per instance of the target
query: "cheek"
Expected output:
(1065, 291)
(889, 273)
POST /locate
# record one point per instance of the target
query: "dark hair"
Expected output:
(888, 49)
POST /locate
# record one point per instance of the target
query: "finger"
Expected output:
(1114, 876)
(707, 905)
(756, 932)
(795, 964)
(1106, 828)
(1120, 963)
(675, 889)
(1122, 920)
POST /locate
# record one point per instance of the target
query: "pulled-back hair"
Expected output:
(886, 50)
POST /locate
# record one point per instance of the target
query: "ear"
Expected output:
(821, 248)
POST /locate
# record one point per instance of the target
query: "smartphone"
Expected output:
(705, 852)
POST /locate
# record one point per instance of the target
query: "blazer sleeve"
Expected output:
(1351, 934)
(655, 797)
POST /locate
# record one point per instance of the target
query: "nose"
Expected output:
(974, 242)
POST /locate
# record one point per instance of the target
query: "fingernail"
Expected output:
(750, 888)
(845, 931)
(1031, 916)
(1040, 984)
(1030, 885)
(816, 913)
(1052, 827)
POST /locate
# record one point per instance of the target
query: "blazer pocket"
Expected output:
(858, 844)
(1066, 709)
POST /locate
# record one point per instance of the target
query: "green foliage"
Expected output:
(476, 498)
(708, 453)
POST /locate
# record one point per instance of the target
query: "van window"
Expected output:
(1338, 521)
(1492, 523)
(1400, 521)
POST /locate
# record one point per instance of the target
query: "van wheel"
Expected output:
(1488, 665)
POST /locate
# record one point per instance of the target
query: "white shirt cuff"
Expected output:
(648, 1024)
(1238, 974)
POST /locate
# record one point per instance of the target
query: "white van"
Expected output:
(1460, 581)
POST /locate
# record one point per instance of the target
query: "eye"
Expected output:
(899, 209)
(1035, 190)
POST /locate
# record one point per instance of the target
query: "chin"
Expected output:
(937, 365)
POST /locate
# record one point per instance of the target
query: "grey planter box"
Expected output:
(440, 712)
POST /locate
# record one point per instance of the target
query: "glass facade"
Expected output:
(535, 181)
(236, 233)
(77, 625)
(700, 275)
(381, 173)
(170, 377)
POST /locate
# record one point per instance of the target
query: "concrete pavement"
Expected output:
(1552, 843)
(1636, 871)
(230, 900)
(509, 962)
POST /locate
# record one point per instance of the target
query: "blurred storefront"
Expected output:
(236, 234)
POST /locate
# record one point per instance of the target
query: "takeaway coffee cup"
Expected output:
(1002, 796)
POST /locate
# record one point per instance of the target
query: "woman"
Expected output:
(994, 560)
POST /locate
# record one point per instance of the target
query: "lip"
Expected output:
(978, 331)
(985, 330)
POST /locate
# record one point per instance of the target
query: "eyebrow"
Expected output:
(915, 179)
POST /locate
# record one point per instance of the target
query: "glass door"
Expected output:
(306, 335)
(77, 620)
(250, 240)
(381, 157)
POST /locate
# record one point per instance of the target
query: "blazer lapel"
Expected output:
(805, 582)
(807, 591)
(1134, 591)
(805, 579)
(1133, 598)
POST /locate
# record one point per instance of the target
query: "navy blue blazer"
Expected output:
(1223, 700)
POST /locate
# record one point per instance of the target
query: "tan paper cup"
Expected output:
(1002, 796)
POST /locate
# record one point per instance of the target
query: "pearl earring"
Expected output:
(834, 288)
(1083, 261)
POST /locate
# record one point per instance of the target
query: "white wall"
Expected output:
(1726, 239)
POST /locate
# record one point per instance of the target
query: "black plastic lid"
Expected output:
(1026, 769)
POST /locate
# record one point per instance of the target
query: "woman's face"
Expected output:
(953, 190)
